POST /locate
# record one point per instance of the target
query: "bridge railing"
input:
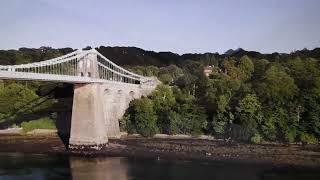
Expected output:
(61, 68)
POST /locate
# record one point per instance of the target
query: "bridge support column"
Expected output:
(115, 105)
(87, 124)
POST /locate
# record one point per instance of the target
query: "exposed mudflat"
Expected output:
(182, 149)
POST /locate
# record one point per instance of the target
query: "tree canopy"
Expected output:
(249, 96)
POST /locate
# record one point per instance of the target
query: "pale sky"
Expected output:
(180, 26)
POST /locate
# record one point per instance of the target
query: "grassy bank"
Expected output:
(43, 123)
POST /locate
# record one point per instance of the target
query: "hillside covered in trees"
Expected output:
(248, 96)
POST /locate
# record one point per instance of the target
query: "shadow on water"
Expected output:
(158, 170)
(14, 166)
(22, 166)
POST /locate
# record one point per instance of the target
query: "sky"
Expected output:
(180, 26)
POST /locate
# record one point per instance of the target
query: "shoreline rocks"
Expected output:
(11, 131)
(197, 149)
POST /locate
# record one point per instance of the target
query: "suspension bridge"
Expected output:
(102, 92)
(74, 68)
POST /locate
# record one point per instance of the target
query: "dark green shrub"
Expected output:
(43, 123)
(256, 139)
(308, 138)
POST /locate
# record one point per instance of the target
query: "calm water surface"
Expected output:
(38, 166)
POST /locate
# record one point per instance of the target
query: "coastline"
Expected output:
(188, 149)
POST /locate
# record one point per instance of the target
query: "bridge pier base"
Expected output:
(97, 109)
(88, 131)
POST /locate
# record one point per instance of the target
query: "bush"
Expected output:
(308, 138)
(193, 119)
(256, 139)
(142, 118)
(15, 97)
(43, 123)
(14, 125)
(123, 123)
(165, 78)
(269, 129)
(290, 135)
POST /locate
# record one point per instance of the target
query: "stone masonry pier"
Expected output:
(97, 109)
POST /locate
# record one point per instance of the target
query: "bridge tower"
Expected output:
(87, 122)
(98, 107)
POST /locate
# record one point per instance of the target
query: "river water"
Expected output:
(40, 166)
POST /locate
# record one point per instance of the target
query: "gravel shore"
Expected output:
(181, 149)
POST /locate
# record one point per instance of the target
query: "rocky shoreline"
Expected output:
(173, 149)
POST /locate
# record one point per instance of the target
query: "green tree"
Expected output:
(14, 96)
(246, 66)
(230, 68)
(142, 118)
(249, 115)
(173, 70)
(193, 119)
(210, 59)
(269, 124)
(166, 78)
(276, 86)
(164, 103)
(260, 67)
(306, 73)
(223, 116)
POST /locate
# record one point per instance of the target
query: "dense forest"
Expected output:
(247, 96)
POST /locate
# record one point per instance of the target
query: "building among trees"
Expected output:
(207, 70)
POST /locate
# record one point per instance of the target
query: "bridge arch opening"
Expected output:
(81, 74)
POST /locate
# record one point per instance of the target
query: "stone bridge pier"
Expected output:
(97, 108)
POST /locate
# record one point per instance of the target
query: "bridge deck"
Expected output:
(56, 78)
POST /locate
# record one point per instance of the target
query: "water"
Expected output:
(38, 166)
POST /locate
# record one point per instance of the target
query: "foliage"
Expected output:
(172, 117)
(249, 96)
(164, 101)
(192, 119)
(123, 124)
(165, 78)
(277, 86)
(268, 126)
(249, 114)
(14, 126)
(14, 96)
(256, 139)
(43, 123)
(308, 138)
(142, 117)
(246, 66)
